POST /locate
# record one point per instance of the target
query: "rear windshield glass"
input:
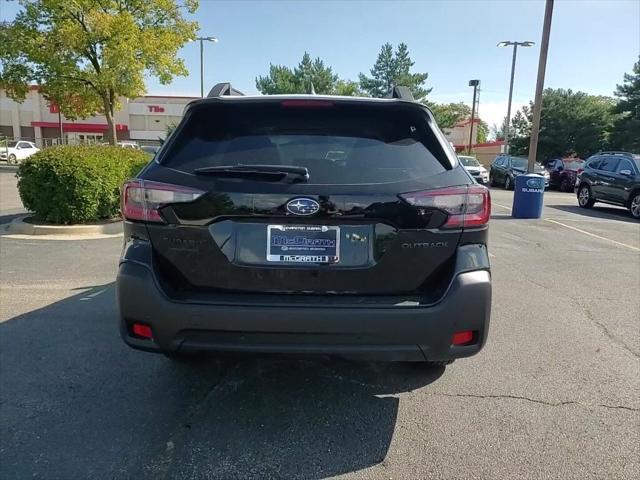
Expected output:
(338, 143)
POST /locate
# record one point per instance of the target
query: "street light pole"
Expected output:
(201, 67)
(513, 72)
(537, 102)
(474, 84)
(202, 40)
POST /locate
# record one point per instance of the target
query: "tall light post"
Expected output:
(474, 84)
(202, 40)
(537, 101)
(513, 71)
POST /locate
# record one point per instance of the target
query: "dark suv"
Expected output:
(306, 224)
(563, 173)
(611, 177)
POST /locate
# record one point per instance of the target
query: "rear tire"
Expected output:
(585, 197)
(492, 181)
(508, 183)
(13, 160)
(441, 363)
(634, 205)
(565, 185)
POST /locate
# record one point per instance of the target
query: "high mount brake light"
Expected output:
(468, 206)
(307, 103)
(141, 199)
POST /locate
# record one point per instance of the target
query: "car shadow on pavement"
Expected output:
(77, 403)
(601, 211)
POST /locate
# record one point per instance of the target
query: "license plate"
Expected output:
(303, 243)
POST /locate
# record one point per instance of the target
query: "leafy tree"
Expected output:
(448, 114)
(309, 76)
(570, 122)
(483, 132)
(392, 69)
(348, 88)
(86, 54)
(625, 134)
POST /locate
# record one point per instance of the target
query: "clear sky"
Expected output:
(592, 43)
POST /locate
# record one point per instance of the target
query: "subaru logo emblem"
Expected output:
(534, 182)
(303, 206)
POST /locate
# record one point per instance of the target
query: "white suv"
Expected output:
(15, 151)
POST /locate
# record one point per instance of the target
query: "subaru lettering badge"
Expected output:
(303, 206)
(534, 183)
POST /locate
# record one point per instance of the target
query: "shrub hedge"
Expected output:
(77, 184)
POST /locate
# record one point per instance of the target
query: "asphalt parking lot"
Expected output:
(555, 394)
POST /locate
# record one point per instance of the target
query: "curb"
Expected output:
(19, 227)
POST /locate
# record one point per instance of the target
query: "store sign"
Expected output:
(155, 109)
(54, 108)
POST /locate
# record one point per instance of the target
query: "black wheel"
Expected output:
(585, 198)
(508, 183)
(492, 181)
(634, 205)
(565, 185)
(441, 363)
(13, 159)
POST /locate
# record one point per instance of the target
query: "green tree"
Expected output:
(309, 76)
(483, 132)
(86, 54)
(625, 134)
(348, 88)
(448, 114)
(393, 69)
(570, 122)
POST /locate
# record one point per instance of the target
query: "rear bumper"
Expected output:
(388, 333)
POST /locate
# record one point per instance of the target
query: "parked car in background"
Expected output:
(16, 151)
(151, 149)
(132, 145)
(505, 169)
(563, 173)
(267, 224)
(475, 168)
(611, 177)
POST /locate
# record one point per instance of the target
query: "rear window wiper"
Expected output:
(268, 173)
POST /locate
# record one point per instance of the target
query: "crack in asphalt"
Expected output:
(590, 316)
(534, 400)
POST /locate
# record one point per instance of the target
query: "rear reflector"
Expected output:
(468, 206)
(142, 199)
(143, 331)
(462, 338)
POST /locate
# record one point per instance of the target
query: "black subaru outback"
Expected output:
(306, 224)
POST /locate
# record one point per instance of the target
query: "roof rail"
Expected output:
(224, 90)
(616, 152)
(403, 93)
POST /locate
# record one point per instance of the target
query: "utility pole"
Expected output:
(537, 105)
(513, 71)
(474, 84)
(202, 40)
(60, 125)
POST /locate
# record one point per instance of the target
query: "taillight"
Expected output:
(142, 199)
(468, 206)
(579, 171)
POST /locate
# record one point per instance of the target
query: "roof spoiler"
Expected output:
(224, 90)
(403, 93)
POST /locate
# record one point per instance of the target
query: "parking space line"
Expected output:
(501, 206)
(636, 249)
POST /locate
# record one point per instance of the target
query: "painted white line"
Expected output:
(501, 206)
(631, 247)
(491, 255)
(94, 294)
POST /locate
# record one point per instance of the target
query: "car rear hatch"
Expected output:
(305, 197)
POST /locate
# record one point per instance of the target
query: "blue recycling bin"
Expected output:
(528, 196)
